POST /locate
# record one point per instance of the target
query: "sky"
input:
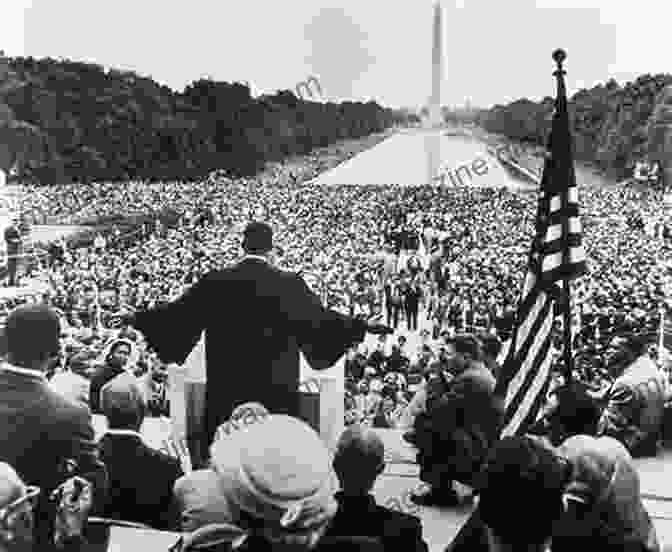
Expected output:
(495, 52)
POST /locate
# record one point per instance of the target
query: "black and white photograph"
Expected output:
(320, 276)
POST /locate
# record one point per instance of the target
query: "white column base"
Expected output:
(332, 399)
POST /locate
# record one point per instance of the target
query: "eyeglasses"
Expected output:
(27, 503)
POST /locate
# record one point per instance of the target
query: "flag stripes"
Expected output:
(556, 255)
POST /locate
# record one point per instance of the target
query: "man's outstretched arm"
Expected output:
(324, 335)
(173, 329)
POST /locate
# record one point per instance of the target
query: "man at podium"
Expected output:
(256, 319)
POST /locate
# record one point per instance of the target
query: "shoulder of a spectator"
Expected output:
(66, 412)
(192, 481)
(172, 465)
(406, 522)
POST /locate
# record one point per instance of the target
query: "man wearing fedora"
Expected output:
(256, 319)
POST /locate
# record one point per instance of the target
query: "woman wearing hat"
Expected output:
(275, 499)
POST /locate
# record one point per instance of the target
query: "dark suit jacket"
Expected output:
(412, 296)
(257, 318)
(102, 375)
(39, 430)
(141, 482)
(460, 425)
(361, 516)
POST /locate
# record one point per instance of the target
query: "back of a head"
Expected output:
(605, 478)
(257, 238)
(276, 476)
(123, 403)
(32, 335)
(359, 459)
(467, 344)
(577, 411)
(521, 469)
(491, 345)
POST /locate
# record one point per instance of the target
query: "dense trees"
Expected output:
(68, 120)
(611, 123)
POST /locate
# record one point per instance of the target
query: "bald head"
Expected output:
(32, 336)
(123, 402)
(359, 459)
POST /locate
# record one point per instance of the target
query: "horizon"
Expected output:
(357, 51)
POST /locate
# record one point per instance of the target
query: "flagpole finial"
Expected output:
(559, 56)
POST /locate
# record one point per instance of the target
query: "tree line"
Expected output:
(614, 126)
(65, 121)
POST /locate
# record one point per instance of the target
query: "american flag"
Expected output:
(556, 255)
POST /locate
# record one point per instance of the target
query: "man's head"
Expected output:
(463, 350)
(532, 474)
(624, 350)
(359, 460)
(491, 346)
(258, 239)
(32, 336)
(123, 403)
(16, 511)
(119, 354)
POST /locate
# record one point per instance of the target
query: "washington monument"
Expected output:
(435, 117)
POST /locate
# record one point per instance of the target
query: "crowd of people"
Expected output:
(60, 490)
(431, 262)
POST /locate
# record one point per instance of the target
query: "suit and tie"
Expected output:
(141, 481)
(361, 516)
(40, 430)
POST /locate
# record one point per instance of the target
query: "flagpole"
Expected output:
(661, 330)
(567, 329)
(559, 57)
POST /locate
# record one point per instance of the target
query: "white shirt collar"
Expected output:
(129, 432)
(258, 257)
(36, 374)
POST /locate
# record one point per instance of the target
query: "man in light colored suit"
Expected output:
(636, 401)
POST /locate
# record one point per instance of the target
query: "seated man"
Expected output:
(141, 478)
(460, 425)
(636, 401)
(358, 461)
(570, 411)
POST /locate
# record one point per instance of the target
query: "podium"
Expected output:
(323, 400)
(322, 403)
